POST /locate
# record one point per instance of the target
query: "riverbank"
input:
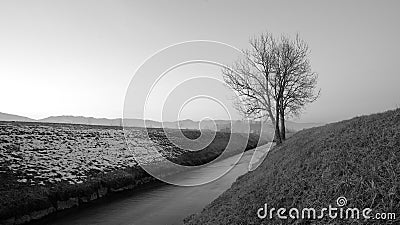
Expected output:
(357, 159)
(156, 204)
(47, 168)
(23, 204)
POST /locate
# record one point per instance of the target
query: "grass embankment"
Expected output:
(216, 144)
(21, 203)
(358, 159)
(51, 167)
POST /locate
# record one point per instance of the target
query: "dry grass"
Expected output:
(357, 158)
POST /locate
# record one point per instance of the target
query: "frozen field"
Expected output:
(47, 153)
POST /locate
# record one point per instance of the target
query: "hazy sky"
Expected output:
(78, 57)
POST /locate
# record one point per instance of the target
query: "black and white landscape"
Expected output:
(199, 112)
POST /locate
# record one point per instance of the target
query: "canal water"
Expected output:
(161, 203)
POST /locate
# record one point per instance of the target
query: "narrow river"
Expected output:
(158, 204)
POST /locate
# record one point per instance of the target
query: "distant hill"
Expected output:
(11, 117)
(237, 125)
(356, 159)
(81, 120)
(300, 126)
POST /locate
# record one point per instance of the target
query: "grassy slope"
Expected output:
(213, 149)
(357, 158)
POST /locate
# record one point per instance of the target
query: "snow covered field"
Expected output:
(40, 153)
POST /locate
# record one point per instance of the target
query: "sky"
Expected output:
(79, 57)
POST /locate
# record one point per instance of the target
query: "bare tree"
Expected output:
(295, 81)
(274, 77)
(249, 78)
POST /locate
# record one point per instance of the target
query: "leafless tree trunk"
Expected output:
(278, 138)
(283, 127)
(296, 80)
